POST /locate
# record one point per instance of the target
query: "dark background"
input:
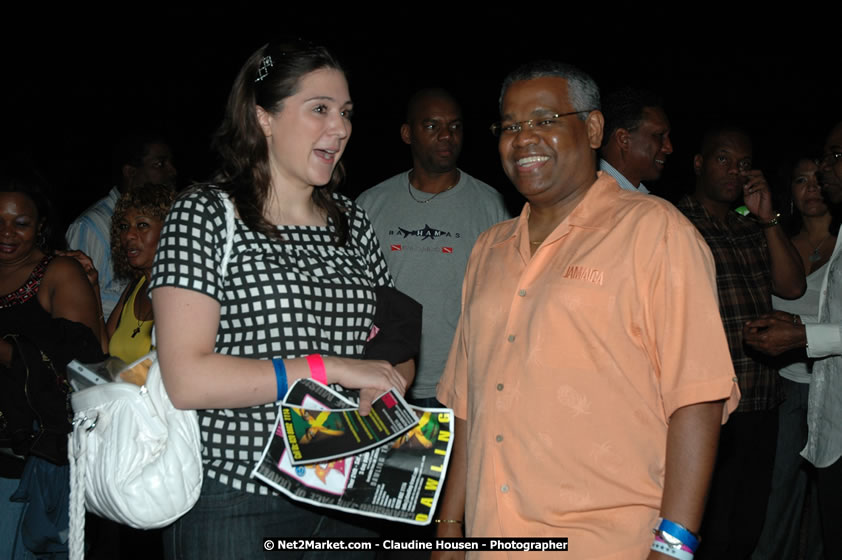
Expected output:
(70, 88)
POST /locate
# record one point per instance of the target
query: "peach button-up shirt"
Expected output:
(567, 365)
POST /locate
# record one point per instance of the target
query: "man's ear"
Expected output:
(698, 160)
(594, 123)
(622, 136)
(405, 134)
(264, 119)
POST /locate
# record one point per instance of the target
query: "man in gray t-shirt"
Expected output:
(427, 220)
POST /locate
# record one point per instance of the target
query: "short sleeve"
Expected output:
(191, 245)
(452, 390)
(695, 363)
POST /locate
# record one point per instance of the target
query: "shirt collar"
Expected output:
(624, 183)
(595, 211)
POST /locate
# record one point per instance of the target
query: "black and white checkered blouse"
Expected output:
(279, 299)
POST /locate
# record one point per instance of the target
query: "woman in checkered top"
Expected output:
(297, 298)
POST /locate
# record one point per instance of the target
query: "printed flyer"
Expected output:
(399, 479)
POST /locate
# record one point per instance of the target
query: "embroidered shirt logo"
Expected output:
(584, 273)
(426, 232)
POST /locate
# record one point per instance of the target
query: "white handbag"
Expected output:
(134, 457)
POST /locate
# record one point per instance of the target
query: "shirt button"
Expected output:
(499, 386)
(511, 338)
(504, 488)
(521, 293)
(499, 438)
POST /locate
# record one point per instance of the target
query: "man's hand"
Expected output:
(756, 195)
(775, 333)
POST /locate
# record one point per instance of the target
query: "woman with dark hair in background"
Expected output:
(48, 316)
(299, 289)
(813, 229)
(810, 224)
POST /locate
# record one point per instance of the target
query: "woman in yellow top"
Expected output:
(135, 229)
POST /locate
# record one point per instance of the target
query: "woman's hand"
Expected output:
(372, 377)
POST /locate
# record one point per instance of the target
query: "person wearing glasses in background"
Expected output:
(754, 259)
(822, 337)
(589, 373)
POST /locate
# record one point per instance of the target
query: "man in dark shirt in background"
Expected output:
(754, 259)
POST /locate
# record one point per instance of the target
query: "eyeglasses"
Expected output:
(543, 123)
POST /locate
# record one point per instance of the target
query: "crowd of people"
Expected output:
(618, 365)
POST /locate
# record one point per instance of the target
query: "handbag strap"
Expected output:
(229, 234)
(77, 458)
(229, 243)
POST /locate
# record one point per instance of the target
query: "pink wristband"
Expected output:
(317, 368)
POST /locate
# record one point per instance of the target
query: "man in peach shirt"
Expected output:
(589, 373)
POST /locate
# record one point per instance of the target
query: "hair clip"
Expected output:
(263, 69)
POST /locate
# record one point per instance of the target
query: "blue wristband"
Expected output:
(280, 377)
(679, 532)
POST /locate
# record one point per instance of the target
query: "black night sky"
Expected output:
(69, 94)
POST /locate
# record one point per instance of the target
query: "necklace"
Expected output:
(815, 256)
(140, 322)
(426, 200)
